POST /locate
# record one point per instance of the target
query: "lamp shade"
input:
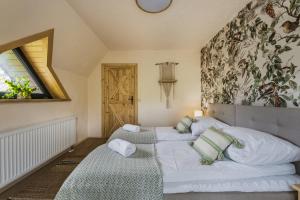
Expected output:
(198, 113)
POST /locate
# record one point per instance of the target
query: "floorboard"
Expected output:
(45, 183)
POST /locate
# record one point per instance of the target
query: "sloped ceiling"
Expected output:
(86, 29)
(76, 47)
(187, 24)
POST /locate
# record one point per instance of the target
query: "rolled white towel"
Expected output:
(132, 128)
(123, 147)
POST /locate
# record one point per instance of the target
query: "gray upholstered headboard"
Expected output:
(222, 112)
(282, 122)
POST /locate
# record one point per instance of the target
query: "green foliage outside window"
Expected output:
(19, 88)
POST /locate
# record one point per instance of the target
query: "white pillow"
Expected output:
(203, 123)
(261, 148)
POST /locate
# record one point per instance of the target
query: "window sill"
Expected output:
(32, 100)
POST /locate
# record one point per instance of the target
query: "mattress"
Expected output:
(171, 134)
(183, 172)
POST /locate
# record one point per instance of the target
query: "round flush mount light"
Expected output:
(153, 6)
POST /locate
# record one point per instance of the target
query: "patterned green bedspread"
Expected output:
(106, 175)
(146, 136)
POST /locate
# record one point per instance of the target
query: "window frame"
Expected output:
(24, 61)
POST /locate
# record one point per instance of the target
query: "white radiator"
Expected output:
(25, 149)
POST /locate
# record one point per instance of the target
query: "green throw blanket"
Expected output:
(146, 136)
(106, 175)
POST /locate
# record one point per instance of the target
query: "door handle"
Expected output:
(130, 98)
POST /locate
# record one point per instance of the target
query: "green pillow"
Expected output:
(184, 125)
(212, 143)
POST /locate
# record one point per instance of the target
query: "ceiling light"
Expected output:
(154, 6)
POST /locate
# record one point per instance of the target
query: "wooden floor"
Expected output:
(45, 183)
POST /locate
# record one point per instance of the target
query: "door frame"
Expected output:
(112, 65)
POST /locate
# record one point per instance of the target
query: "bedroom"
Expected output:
(86, 68)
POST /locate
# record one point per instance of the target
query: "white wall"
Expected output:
(15, 115)
(151, 111)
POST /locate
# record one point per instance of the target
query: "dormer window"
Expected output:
(15, 68)
(26, 72)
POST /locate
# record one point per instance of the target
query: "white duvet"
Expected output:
(171, 134)
(262, 184)
(179, 162)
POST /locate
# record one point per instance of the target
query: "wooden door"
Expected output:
(119, 96)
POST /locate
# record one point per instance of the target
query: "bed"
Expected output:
(183, 174)
(178, 166)
(161, 134)
(282, 122)
(171, 134)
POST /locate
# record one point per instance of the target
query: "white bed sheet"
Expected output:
(180, 166)
(171, 134)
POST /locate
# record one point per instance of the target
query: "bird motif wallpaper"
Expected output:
(255, 59)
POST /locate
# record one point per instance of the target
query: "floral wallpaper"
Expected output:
(254, 59)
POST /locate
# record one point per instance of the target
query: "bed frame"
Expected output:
(282, 122)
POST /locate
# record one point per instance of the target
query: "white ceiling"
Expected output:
(187, 24)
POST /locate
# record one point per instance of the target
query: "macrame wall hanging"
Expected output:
(167, 80)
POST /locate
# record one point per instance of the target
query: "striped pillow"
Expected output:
(184, 125)
(212, 143)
